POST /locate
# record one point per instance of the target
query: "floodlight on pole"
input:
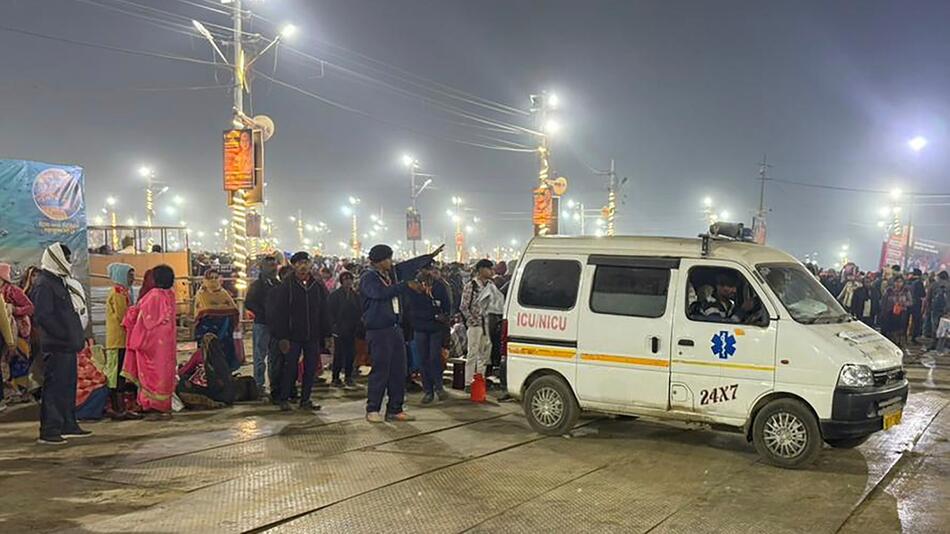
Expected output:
(210, 38)
(918, 143)
(288, 31)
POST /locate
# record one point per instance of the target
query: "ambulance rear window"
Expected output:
(630, 291)
(550, 284)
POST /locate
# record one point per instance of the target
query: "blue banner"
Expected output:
(40, 204)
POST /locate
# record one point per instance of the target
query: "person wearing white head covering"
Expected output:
(60, 306)
(55, 261)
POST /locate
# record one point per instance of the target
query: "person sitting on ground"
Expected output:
(216, 313)
(205, 380)
(19, 309)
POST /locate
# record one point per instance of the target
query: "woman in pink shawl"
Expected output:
(151, 353)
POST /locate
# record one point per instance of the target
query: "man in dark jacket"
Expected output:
(61, 337)
(256, 303)
(429, 310)
(918, 292)
(299, 320)
(345, 318)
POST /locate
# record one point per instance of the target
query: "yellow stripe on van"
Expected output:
(743, 366)
(525, 350)
(629, 360)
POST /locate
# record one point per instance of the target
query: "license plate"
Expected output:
(892, 419)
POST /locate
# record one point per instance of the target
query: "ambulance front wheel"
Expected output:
(550, 406)
(785, 432)
(846, 443)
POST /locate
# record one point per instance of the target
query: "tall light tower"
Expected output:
(414, 189)
(541, 105)
(149, 174)
(456, 217)
(349, 209)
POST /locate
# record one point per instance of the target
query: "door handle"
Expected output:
(655, 344)
(685, 343)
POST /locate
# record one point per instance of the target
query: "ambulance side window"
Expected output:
(549, 284)
(633, 291)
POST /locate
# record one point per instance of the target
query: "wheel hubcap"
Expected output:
(547, 407)
(785, 435)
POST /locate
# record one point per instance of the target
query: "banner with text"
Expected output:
(42, 203)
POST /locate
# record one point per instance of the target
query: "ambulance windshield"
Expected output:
(801, 294)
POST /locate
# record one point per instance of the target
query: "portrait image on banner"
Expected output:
(413, 225)
(238, 160)
(43, 204)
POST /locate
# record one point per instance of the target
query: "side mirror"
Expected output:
(763, 322)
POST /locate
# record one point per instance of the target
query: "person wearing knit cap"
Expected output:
(299, 319)
(387, 346)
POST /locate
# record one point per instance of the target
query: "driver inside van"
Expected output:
(720, 306)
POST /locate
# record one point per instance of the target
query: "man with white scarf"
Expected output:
(60, 319)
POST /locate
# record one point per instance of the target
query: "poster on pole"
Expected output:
(758, 230)
(895, 249)
(413, 225)
(42, 204)
(541, 213)
(238, 160)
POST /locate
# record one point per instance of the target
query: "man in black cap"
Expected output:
(387, 346)
(298, 319)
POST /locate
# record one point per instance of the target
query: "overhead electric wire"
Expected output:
(215, 9)
(181, 27)
(852, 189)
(448, 108)
(109, 47)
(153, 21)
(444, 89)
(370, 116)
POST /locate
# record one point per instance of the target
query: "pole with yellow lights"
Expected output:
(113, 221)
(540, 105)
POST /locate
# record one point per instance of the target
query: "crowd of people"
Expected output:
(906, 307)
(403, 320)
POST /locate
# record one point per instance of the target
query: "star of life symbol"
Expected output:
(723, 345)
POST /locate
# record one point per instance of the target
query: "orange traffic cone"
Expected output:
(478, 388)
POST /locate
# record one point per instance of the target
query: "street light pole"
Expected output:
(238, 60)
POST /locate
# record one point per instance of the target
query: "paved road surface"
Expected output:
(468, 468)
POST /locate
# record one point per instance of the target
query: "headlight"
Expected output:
(856, 376)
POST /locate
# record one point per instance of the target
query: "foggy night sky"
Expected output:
(685, 96)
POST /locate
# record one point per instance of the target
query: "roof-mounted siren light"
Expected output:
(725, 230)
(730, 230)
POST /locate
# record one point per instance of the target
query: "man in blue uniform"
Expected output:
(380, 291)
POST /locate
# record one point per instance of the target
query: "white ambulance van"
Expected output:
(709, 330)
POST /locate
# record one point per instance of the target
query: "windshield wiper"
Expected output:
(830, 319)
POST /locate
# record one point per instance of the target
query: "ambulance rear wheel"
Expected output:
(786, 434)
(550, 406)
